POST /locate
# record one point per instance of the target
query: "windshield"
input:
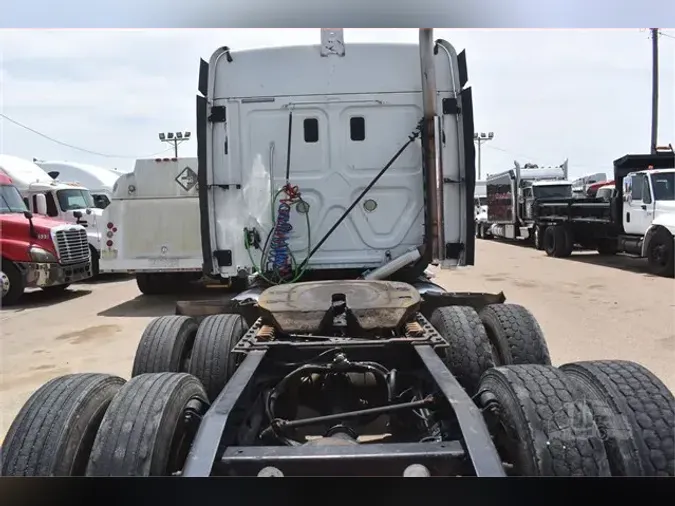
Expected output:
(71, 200)
(552, 191)
(664, 186)
(10, 200)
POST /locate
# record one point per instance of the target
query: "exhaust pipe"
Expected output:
(433, 225)
(395, 265)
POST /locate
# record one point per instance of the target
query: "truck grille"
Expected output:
(72, 245)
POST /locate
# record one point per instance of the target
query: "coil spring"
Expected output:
(280, 253)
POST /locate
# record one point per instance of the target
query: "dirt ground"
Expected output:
(589, 308)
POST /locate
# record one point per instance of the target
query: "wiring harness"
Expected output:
(277, 262)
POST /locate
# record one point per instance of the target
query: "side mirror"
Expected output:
(88, 211)
(28, 215)
(77, 214)
(41, 204)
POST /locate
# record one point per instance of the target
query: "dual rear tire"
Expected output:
(95, 424)
(634, 412)
(597, 418)
(501, 334)
(178, 344)
(558, 241)
(100, 425)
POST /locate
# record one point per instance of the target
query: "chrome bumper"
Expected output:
(40, 275)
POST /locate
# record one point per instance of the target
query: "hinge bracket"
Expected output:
(218, 114)
(451, 106)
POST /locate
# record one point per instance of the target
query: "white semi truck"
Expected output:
(252, 166)
(152, 225)
(66, 201)
(580, 185)
(98, 180)
(364, 367)
(511, 195)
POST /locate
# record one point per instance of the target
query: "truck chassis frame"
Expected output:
(398, 379)
(475, 451)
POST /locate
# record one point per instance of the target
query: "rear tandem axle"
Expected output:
(347, 378)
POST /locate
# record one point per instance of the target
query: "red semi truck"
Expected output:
(37, 252)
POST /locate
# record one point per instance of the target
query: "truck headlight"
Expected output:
(40, 255)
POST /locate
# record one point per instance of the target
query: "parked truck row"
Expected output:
(67, 200)
(633, 213)
(144, 222)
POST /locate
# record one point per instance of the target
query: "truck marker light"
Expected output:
(109, 243)
(110, 225)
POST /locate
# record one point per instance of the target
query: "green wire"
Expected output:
(263, 259)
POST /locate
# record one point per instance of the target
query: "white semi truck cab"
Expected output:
(98, 180)
(65, 201)
(310, 160)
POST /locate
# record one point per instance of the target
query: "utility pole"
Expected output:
(480, 139)
(174, 138)
(655, 88)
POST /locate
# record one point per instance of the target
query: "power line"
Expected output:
(513, 153)
(71, 146)
(533, 158)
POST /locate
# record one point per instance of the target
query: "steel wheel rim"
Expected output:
(659, 255)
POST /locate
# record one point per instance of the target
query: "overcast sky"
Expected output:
(546, 94)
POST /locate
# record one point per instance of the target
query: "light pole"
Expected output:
(174, 138)
(480, 139)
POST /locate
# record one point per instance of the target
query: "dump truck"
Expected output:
(636, 217)
(512, 194)
(318, 172)
(98, 180)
